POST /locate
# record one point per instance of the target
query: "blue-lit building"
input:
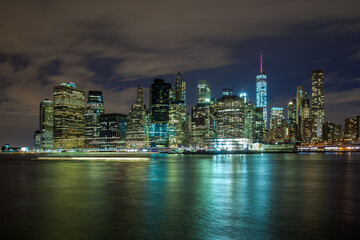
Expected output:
(161, 95)
(261, 92)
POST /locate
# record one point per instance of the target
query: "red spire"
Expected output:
(261, 63)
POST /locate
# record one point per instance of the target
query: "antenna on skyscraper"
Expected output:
(261, 69)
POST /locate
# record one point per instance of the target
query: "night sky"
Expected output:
(113, 46)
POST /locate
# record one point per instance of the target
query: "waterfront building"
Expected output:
(352, 129)
(138, 124)
(305, 107)
(202, 119)
(299, 100)
(46, 124)
(94, 108)
(113, 130)
(161, 95)
(229, 117)
(331, 133)
(306, 130)
(249, 113)
(180, 89)
(259, 126)
(204, 92)
(291, 111)
(305, 121)
(69, 123)
(317, 103)
(261, 92)
(276, 117)
(37, 140)
(177, 127)
(202, 124)
(277, 125)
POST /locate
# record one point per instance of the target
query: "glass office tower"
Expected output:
(261, 92)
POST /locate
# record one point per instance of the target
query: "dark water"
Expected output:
(264, 196)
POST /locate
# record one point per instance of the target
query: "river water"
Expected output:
(255, 196)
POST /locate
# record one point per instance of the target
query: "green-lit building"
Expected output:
(177, 127)
(69, 121)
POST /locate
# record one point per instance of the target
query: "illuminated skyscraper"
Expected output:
(46, 124)
(180, 89)
(204, 92)
(229, 117)
(352, 129)
(277, 115)
(291, 111)
(299, 99)
(261, 92)
(94, 108)
(317, 103)
(161, 95)
(113, 130)
(137, 127)
(331, 133)
(69, 123)
(177, 127)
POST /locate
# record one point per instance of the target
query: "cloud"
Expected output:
(347, 96)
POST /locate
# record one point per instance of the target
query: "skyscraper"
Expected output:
(137, 127)
(94, 108)
(261, 92)
(46, 124)
(317, 103)
(113, 130)
(204, 92)
(177, 127)
(352, 129)
(161, 95)
(180, 89)
(69, 124)
(299, 99)
(277, 115)
(202, 120)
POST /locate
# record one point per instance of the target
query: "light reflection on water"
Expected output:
(260, 196)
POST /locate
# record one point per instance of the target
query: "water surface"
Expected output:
(256, 196)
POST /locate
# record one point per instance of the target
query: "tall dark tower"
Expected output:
(46, 124)
(317, 103)
(261, 92)
(180, 89)
(160, 98)
(94, 108)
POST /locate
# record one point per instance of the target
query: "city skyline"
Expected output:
(114, 54)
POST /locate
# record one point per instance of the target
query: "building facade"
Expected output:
(317, 103)
(113, 130)
(94, 108)
(138, 124)
(46, 124)
(261, 92)
(352, 129)
(161, 95)
(69, 117)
